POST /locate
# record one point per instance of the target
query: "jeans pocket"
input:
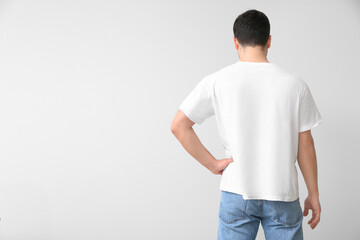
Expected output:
(232, 207)
(288, 213)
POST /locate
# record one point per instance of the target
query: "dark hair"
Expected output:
(252, 28)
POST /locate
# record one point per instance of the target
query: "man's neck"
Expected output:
(253, 54)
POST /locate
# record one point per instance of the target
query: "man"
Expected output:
(264, 116)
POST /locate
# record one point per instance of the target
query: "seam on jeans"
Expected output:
(277, 206)
(235, 218)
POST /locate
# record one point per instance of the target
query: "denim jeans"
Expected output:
(239, 218)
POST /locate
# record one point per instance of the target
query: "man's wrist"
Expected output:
(313, 194)
(211, 164)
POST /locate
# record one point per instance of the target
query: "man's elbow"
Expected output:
(174, 127)
(178, 128)
(180, 123)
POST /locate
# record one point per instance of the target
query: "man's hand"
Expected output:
(312, 203)
(218, 166)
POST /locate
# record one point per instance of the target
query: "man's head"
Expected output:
(252, 29)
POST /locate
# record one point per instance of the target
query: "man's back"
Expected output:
(264, 116)
(260, 108)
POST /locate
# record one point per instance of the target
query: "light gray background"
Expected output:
(88, 90)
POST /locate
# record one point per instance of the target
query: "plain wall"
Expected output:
(88, 91)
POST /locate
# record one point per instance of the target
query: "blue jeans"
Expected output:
(239, 218)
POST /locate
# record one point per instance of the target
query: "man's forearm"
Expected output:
(192, 144)
(308, 165)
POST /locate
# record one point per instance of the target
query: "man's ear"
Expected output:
(269, 42)
(236, 43)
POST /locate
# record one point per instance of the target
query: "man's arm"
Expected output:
(181, 127)
(308, 165)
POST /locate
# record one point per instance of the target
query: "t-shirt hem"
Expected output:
(310, 126)
(190, 115)
(246, 196)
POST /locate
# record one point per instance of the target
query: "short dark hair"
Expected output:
(252, 28)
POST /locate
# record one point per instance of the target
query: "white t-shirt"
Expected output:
(260, 108)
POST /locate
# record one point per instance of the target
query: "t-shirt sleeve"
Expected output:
(309, 115)
(198, 105)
